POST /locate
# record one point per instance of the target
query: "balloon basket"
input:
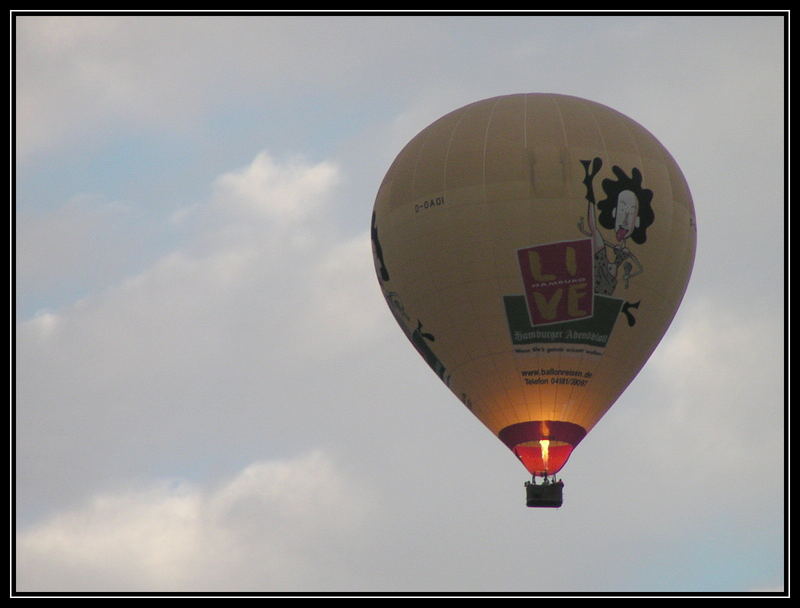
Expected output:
(547, 494)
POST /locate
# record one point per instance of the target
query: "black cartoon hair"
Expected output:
(612, 189)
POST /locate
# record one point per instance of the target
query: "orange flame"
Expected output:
(545, 445)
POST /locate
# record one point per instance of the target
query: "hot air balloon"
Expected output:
(534, 248)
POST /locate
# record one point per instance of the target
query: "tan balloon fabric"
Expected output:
(534, 248)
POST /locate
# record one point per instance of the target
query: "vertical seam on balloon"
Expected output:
(670, 196)
(535, 409)
(640, 160)
(581, 409)
(420, 150)
(556, 403)
(561, 122)
(447, 153)
(525, 122)
(478, 403)
(511, 405)
(528, 404)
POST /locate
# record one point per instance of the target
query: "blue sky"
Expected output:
(211, 393)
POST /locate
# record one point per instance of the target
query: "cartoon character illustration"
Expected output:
(627, 211)
(419, 339)
(383, 273)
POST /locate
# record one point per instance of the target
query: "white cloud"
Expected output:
(82, 75)
(92, 75)
(718, 376)
(41, 326)
(274, 526)
(285, 193)
(229, 323)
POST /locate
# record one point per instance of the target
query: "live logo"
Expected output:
(558, 279)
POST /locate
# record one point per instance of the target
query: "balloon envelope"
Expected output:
(534, 248)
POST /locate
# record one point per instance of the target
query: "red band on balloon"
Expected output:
(522, 437)
(535, 430)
